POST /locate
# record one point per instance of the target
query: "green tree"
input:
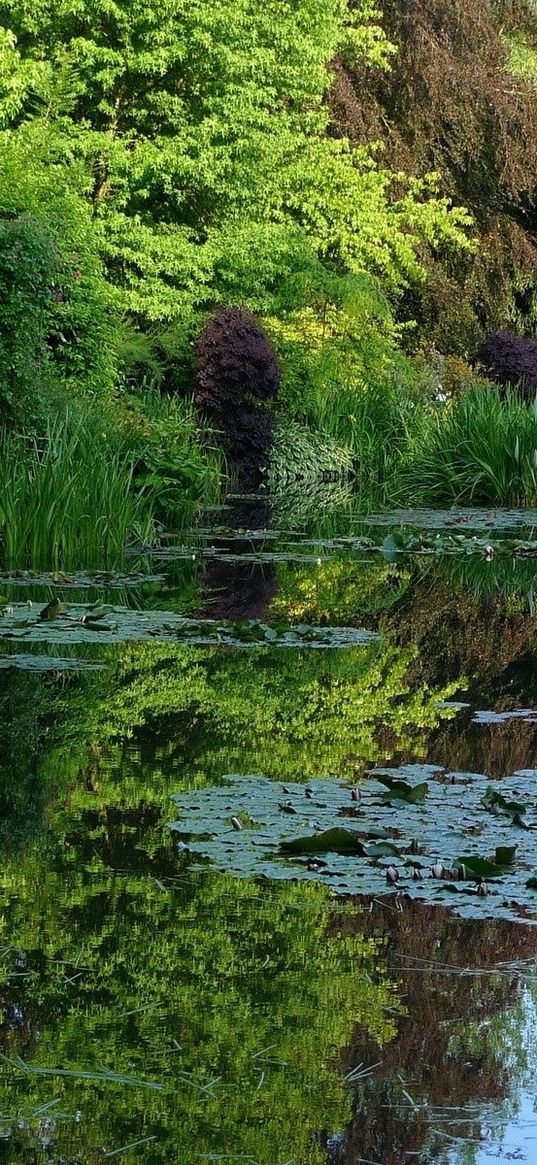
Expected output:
(55, 303)
(204, 129)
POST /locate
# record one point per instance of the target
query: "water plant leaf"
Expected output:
(48, 663)
(354, 861)
(81, 623)
(336, 841)
(505, 854)
(52, 610)
(528, 715)
(494, 801)
(478, 518)
(481, 867)
(402, 791)
(79, 579)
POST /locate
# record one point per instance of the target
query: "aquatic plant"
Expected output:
(66, 501)
(482, 449)
(360, 839)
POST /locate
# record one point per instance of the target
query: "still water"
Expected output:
(153, 1012)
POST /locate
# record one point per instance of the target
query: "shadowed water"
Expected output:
(150, 1012)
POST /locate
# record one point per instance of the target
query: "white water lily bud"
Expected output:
(438, 870)
(236, 823)
(392, 874)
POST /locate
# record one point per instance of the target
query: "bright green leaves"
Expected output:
(18, 77)
(203, 121)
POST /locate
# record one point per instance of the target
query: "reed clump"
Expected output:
(67, 499)
(480, 449)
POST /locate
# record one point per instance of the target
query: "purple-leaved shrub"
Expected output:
(509, 359)
(236, 369)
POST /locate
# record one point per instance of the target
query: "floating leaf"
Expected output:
(47, 663)
(402, 791)
(335, 841)
(355, 861)
(497, 803)
(52, 610)
(82, 623)
(505, 854)
(482, 867)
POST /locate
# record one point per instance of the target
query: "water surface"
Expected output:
(152, 1013)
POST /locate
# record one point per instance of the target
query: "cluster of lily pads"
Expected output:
(59, 622)
(77, 579)
(436, 836)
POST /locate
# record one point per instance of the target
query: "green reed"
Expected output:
(66, 499)
(480, 449)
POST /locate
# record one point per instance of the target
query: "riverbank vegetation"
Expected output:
(158, 163)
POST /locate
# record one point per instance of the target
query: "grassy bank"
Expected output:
(408, 449)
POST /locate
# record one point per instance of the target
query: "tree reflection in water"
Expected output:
(459, 1050)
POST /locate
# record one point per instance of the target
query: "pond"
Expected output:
(176, 988)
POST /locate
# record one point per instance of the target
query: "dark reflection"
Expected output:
(457, 1050)
(216, 1006)
(24, 789)
(240, 590)
(495, 749)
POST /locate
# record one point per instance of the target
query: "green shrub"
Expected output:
(481, 449)
(28, 268)
(302, 455)
(171, 465)
(58, 313)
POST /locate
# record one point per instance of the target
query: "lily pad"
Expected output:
(432, 835)
(458, 516)
(397, 790)
(47, 663)
(91, 623)
(527, 715)
(79, 580)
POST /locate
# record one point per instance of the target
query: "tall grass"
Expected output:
(376, 426)
(66, 499)
(482, 449)
(386, 427)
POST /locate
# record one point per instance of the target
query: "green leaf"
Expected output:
(337, 841)
(505, 854)
(481, 867)
(403, 791)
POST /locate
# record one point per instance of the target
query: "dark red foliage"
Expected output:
(248, 435)
(510, 360)
(235, 361)
(236, 368)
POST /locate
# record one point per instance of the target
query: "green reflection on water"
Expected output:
(235, 998)
(115, 956)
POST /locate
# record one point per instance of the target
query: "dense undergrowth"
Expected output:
(161, 162)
